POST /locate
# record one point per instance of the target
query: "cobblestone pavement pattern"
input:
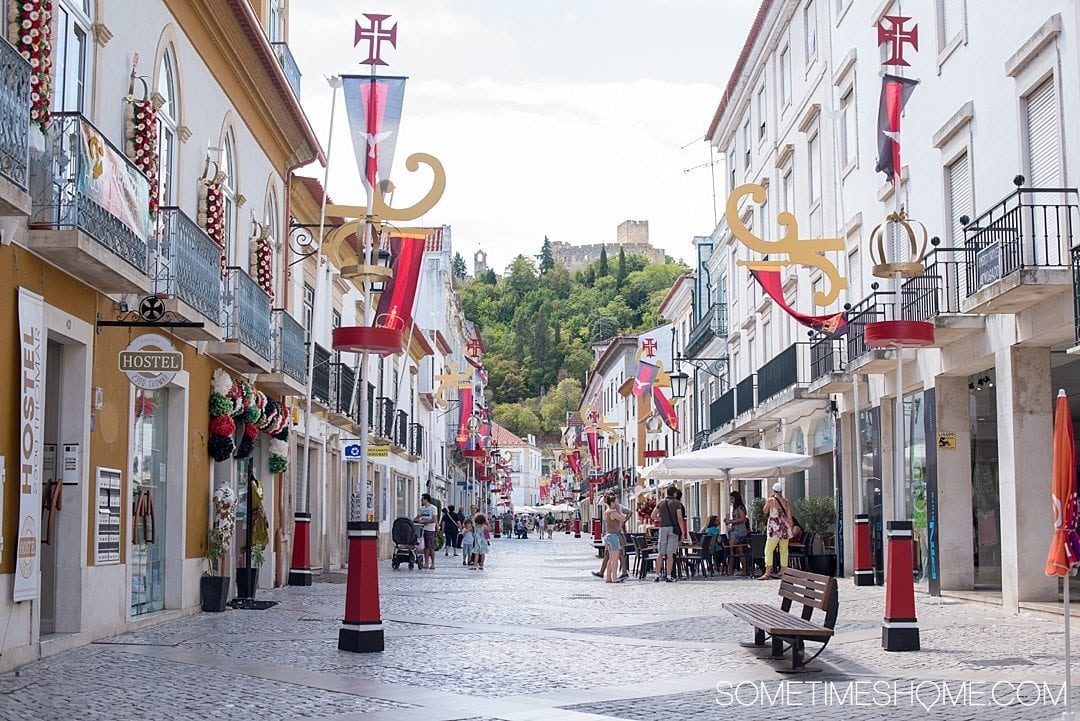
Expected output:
(536, 637)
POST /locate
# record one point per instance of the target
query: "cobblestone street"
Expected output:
(534, 636)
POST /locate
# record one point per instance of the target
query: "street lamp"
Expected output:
(679, 380)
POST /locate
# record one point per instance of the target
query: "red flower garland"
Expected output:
(212, 213)
(29, 31)
(223, 426)
(262, 263)
(142, 135)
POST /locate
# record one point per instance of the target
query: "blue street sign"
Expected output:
(352, 451)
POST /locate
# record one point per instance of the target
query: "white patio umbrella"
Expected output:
(725, 461)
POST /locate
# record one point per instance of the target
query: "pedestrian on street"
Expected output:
(623, 560)
(541, 524)
(428, 517)
(738, 532)
(507, 524)
(467, 539)
(451, 530)
(550, 520)
(777, 529)
(613, 538)
(672, 517)
(480, 540)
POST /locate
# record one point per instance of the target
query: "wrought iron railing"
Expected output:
(320, 375)
(826, 356)
(14, 115)
(416, 439)
(288, 64)
(290, 351)
(780, 373)
(401, 429)
(344, 388)
(188, 263)
(1031, 228)
(722, 410)
(247, 312)
(744, 395)
(939, 289)
(701, 439)
(713, 324)
(64, 198)
(370, 408)
(875, 307)
(384, 413)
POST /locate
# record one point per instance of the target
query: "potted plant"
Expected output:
(757, 515)
(247, 578)
(214, 584)
(817, 515)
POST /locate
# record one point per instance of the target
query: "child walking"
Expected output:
(467, 539)
(480, 540)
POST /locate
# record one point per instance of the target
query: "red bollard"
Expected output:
(362, 629)
(900, 628)
(577, 527)
(497, 534)
(566, 527)
(596, 529)
(597, 538)
(864, 564)
(300, 568)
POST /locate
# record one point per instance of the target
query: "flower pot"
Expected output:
(247, 582)
(822, 563)
(214, 591)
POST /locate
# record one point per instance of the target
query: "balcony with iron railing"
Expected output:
(288, 368)
(343, 389)
(90, 211)
(722, 410)
(245, 324)
(400, 436)
(713, 324)
(416, 440)
(320, 376)
(384, 415)
(828, 364)
(1018, 251)
(745, 398)
(14, 131)
(187, 273)
(938, 295)
(701, 439)
(877, 306)
(288, 65)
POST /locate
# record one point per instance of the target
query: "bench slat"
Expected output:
(775, 622)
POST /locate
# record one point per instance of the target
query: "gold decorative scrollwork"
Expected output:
(798, 251)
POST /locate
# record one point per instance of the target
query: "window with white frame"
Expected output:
(275, 25)
(950, 19)
(849, 144)
(272, 230)
(1043, 136)
(787, 187)
(785, 76)
(855, 292)
(736, 369)
(308, 308)
(71, 55)
(746, 142)
(810, 19)
(959, 199)
(731, 168)
(765, 231)
(168, 120)
(236, 245)
(762, 118)
(766, 339)
(814, 183)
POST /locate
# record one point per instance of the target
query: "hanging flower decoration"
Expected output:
(142, 142)
(212, 212)
(29, 31)
(645, 509)
(225, 513)
(234, 403)
(262, 261)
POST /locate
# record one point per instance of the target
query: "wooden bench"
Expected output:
(812, 591)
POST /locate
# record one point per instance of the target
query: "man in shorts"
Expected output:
(672, 517)
(428, 516)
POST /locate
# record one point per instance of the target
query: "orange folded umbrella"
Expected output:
(1065, 548)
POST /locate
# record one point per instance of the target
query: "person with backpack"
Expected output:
(672, 517)
(450, 530)
(550, 519)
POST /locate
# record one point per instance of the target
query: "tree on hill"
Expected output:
(602, 269)
(620, 272)
(546, 257)
(560, 400)
(518, 418)
(457, 265)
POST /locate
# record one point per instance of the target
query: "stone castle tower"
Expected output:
(631, 235)
(479, 263)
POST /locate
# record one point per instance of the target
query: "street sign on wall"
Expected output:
(151, 361)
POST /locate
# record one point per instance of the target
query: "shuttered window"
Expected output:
(855, 292)
(951, 13)
(1043, 138)
(958, 196)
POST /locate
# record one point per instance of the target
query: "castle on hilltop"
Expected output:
(632, 236)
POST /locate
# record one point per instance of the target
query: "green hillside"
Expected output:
(539, 320)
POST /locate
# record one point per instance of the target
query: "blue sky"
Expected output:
(560, 118)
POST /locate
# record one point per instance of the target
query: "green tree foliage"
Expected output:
(620, 272)
(546, 258)
(602, 269)
(560, 400)
(517, 417)
(538, 328)
(457, 265)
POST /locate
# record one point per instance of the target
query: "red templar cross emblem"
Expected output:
(474, 347)
(375, 35)
(896, 36)
(649, 346)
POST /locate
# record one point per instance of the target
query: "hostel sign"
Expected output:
(151, 361)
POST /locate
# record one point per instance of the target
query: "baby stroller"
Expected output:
(406, 537)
